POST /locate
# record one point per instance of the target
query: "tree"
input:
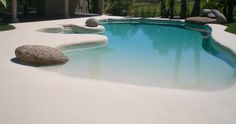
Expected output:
(171, 9)
(163, 9)
(96, 6)
(196, 8)
(101, 7)
(183, 13)
(3, 2)
(120, 7)
(229, 8)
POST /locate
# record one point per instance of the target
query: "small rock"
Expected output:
(40, 55)
(200, 20)
(92, 22)
(205, 12)
(219, 16)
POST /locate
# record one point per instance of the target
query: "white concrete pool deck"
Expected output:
(29, 95)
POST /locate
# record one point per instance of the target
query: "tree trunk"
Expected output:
(183, 13)
(230, 11)
(172, 3)
(163, 9)
(96, 6)
(101, 7)
(225, 9)
(88, 1)
(40, 7)
(196, 8)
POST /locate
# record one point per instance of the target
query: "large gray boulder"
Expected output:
(205, 12)
(219, 16)
(200, 20)
(40, 55)
(92, 22)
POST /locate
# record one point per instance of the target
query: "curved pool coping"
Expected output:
(32, 95)
(222, 37)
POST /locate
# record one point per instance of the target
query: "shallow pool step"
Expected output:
(200, 30)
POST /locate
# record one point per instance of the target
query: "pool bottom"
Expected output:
(154, 56)
(178, 76)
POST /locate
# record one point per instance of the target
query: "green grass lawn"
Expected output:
(231, 28)
(5, 27)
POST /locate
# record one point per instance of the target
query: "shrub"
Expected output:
(213, 4)
(121, 7)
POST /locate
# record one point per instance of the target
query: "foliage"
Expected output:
(231, 27)
(120, 7)
(154, 8)
(3, 2)
(214, 4)
(5, 27)
(196, 8)
(145, 9)
(107, 5)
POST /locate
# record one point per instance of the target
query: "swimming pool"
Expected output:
(151, 53)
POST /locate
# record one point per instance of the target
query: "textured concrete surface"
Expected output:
(29, 95)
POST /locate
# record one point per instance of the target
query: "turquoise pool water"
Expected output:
(153, 55)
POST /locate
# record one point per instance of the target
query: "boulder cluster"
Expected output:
(208, 16)
(214, 14)
(39, 55)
